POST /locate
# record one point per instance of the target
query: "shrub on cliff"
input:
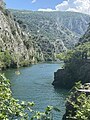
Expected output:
(5, 59)
(73, 61)
(78, 103)
(83, 108)
(76, 68)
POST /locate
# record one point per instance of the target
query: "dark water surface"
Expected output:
(34, 84)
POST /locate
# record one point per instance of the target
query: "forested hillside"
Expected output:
(63, 27)
(77, 64)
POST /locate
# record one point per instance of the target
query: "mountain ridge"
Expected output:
(33, 37)
(61, 26)
(62, 15)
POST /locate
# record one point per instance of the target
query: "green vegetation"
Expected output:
(35, 21)
(77, 51)
(24, 63)
(5, 59)
(84, 47)
(52, 25)
(76, 67)
(13, 109)
(78, 103)
(83, 107)
(60, 56)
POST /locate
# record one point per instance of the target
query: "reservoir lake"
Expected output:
(35, 84)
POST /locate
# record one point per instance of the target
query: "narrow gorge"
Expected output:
(44, 54)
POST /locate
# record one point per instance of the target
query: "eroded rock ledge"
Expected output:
(76, 71)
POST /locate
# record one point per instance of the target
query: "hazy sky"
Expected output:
(82, 6)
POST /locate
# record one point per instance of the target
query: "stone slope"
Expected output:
(65, 27)
(15, 41)
(49, 25)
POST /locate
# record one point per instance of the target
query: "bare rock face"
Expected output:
(15, 41)
(2, 4)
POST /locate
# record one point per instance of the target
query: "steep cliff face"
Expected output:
(75, 22)
(86, 36)
(46, 47)
(66, 78)
(16, 42)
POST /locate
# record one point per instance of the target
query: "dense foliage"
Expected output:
(78, 50)
(76, 67)
(70, 20)
(52, 25)
(83, 107)
(13, 109)
(5, 59)
(78, 103)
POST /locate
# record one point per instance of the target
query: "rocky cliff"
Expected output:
(17, 43)
(76, 71)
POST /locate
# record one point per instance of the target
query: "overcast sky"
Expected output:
(82, 6)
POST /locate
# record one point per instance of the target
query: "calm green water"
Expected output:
(34, 84)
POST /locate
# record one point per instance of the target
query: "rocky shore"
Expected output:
(76, 71)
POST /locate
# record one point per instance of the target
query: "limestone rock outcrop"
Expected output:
(18, 43)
